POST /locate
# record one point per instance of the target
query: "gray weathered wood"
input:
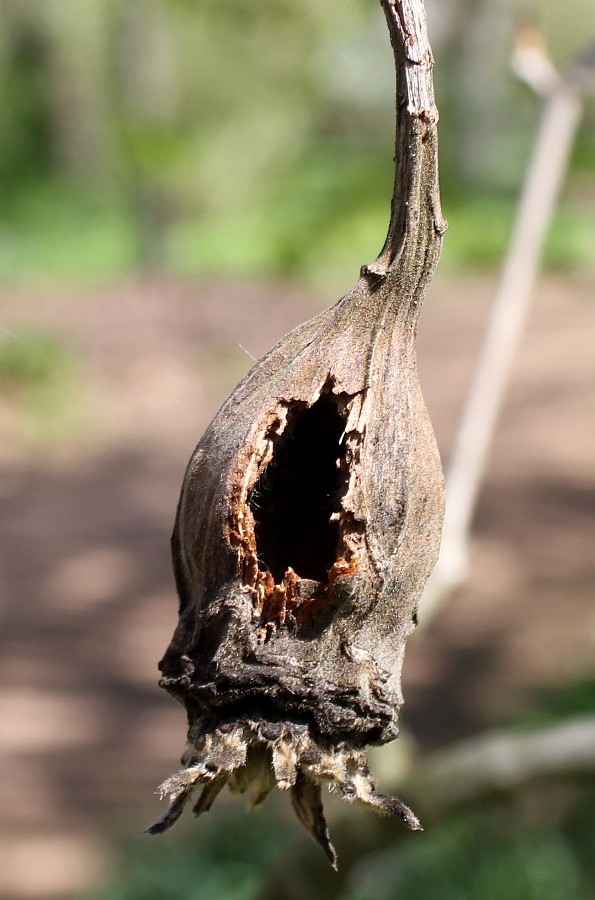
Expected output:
(310, 519)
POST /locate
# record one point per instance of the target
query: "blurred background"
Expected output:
(182, 182)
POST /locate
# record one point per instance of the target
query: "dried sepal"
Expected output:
(310, 519)
(253, 757)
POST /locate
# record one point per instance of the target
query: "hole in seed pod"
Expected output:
(299, 490)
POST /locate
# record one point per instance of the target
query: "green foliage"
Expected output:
(30, 358)
(487, 854)
(51, 230)
(574, 699)
(247, 138)
(38, 372)
(571, 239)
(479, 228)
(543, 849)
(326, 214)
(225, 862)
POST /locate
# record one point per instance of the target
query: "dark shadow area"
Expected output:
(297, 493)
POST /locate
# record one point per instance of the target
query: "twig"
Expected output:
(502, 762)
(560, 119)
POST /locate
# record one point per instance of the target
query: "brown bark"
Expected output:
(310, 519)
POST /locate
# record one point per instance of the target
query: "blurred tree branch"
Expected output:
(560, 119)
(500, 762)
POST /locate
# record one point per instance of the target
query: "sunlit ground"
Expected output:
(105, 393)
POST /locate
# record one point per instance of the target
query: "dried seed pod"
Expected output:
(310, 519)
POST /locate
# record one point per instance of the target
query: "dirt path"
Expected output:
(87, 597)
